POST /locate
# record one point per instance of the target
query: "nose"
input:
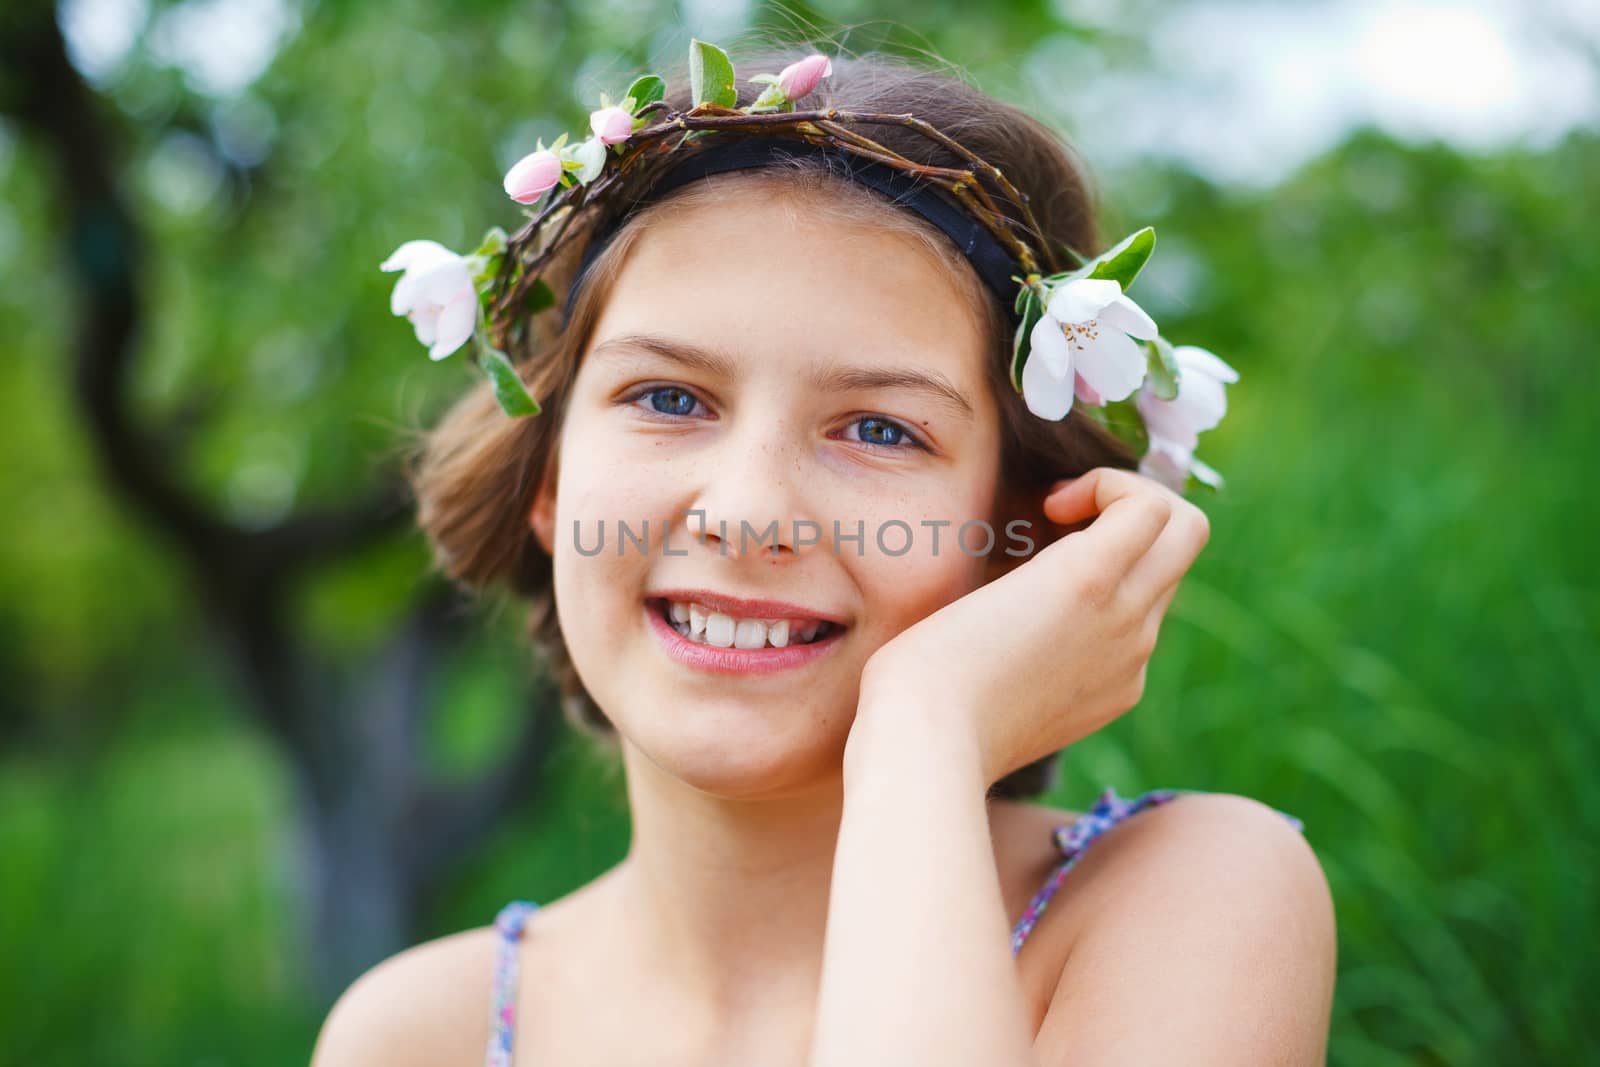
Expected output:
(753, 498)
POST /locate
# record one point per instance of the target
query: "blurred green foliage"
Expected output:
(1391, 635)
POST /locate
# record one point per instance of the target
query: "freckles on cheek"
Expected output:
(591, 517)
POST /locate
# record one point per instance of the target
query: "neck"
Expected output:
(728, 897)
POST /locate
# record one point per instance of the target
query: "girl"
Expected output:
(831, 730)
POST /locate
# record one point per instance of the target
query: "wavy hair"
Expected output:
(475, 474)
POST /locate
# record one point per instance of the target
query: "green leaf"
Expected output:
(508, 388)
(771, 99)
(1122, 418)
(494, 242)
(484, 285)
(711, 75)
(1023, 288)
(1163, 368)
(539, 297)
(646, 89)
(1122, 263)
(763, 79)
(559, 141)
(484, 274)
(1021, 344)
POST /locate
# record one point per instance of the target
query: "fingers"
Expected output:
(1129, 513)
(1153, 617)
(1141, 538)
(1154, 577)
(1072, 500)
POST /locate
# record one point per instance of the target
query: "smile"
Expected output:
(712, 627)
(724, 644)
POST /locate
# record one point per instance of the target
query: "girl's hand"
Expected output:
(1056, 648)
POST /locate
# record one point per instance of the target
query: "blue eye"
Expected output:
(880, 432)
(668, 400)
(674, 401)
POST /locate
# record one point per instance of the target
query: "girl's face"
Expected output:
(835, 376)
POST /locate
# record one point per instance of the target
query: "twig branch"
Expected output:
(529, 250)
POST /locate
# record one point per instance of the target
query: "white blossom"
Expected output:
(436, 293)
(1175, 425)
(1201, 401)
(591, 153)
(1171, 464)
(1083, 345)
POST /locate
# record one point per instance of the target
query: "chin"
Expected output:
(714, 755)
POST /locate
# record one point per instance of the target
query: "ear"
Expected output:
(542, 516)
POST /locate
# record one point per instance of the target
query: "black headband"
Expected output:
(988, 256)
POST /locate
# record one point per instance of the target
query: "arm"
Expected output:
(917, 964)
(1213, 939)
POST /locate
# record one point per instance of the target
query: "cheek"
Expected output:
(601, 483)
(597, 587)
(920, 565)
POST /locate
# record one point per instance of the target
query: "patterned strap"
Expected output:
(1075, 838)
(502, 1021)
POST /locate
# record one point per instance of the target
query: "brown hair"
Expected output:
(475, 475)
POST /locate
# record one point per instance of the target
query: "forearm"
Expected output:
(917, 966)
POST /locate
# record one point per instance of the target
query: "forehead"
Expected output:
(758, 270)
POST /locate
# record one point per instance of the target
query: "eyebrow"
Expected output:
(824, 379)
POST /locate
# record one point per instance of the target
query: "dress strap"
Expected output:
(1075, 838)
(502, 1022)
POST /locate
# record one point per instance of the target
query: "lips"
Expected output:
(714, 659)
(747, 608)
(710, 627)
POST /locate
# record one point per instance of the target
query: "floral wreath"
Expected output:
(1098, 350)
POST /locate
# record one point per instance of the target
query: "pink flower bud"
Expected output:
(531, 175)
(802, 76)
(612, 125)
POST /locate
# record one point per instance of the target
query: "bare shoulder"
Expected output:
(1205, 933)
(426, 1005)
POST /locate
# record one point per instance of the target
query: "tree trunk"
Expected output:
(376, 837)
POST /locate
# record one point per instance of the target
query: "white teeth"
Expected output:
(709, 627)
(719, 629)
(750, 633)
